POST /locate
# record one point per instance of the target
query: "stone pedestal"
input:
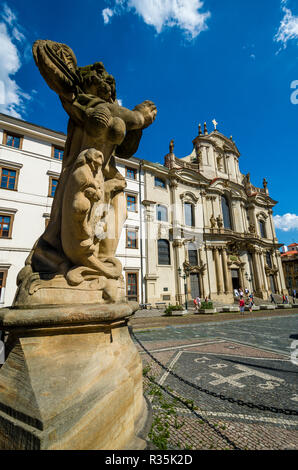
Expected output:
(72, 379)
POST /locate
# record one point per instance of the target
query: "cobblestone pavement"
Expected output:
(247, 359)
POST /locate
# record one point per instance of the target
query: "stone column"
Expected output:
(226, 273)
(256, 270)
(179, 260)
(218, 271)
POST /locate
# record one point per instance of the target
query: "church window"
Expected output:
(226, 212)
(192, 254)
(161, 213)
(262, 228)
(164, 252)
(189, 214)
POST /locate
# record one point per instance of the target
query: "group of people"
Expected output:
(197, 302)
(249, 299)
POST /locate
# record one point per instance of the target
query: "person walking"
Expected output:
(272, 299)
(195, 304)
(284, 299)
(198, 300)
(251, 302)
(242, 305)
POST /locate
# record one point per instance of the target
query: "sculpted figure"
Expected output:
(74, 260)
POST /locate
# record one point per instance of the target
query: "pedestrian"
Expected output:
(246, 291)
(287, 299)
(272, 299)
(242, 305)
(195, 304)
(283, 299)
(236, 293)
(251, 302)
(198, 300)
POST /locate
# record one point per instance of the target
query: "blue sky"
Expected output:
(197, 60)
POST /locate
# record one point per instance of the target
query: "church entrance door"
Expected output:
(194, 285)
(272, 284)
(235, 278)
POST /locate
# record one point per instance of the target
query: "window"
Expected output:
(5, 225)
(12, 140)
(226, 213)
(193, 254)
(131, 238)
(164, 252)
(160, 183)
(53, 186)
(131, 173)
(189, 214)
(3, 276)
(268, 259)
(132, 286)
(131, 203)
(262, 228)
(8, 178)
(57, 153)
(161, 213)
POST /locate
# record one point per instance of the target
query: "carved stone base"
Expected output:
(72, 380)
(35, 291)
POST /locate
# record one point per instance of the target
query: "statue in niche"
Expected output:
(219, 222)
(74, 260)
(213, 221)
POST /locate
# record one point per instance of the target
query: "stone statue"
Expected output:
(213, 221)
(252, 229)
(74, 260)
(171, 146)
(219, 221)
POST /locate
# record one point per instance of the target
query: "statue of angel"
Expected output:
(74, 260)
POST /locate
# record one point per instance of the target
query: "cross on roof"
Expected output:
(215, 123)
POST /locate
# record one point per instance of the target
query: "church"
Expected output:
(209, 230)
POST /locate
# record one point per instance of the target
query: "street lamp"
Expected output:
(184, 274)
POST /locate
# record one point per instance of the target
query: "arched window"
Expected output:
(189, 214)
(161, 213)
(164, 252)
(262, 226)
(268, 259)
(226, 212)
(192, 254)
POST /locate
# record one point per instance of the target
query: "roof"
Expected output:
(293, 244)
(289, 254)
(32, 124)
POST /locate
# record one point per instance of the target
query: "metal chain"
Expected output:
(205, 420)
(239, 402)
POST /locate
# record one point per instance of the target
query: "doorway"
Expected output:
(235, 279)
(194, 285)
(272, 284)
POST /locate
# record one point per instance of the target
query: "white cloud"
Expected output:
(12, 98)
(288, 29)
(286, 222)
(184, 14)
(107, 14)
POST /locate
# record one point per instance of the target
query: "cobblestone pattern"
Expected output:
(215, 420)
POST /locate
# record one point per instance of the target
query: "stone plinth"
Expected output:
(72, 379)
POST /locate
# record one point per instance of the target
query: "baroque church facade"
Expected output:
(209, 231)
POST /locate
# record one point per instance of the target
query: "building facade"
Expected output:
(290, 266)
(209, 230)
(195, 225)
